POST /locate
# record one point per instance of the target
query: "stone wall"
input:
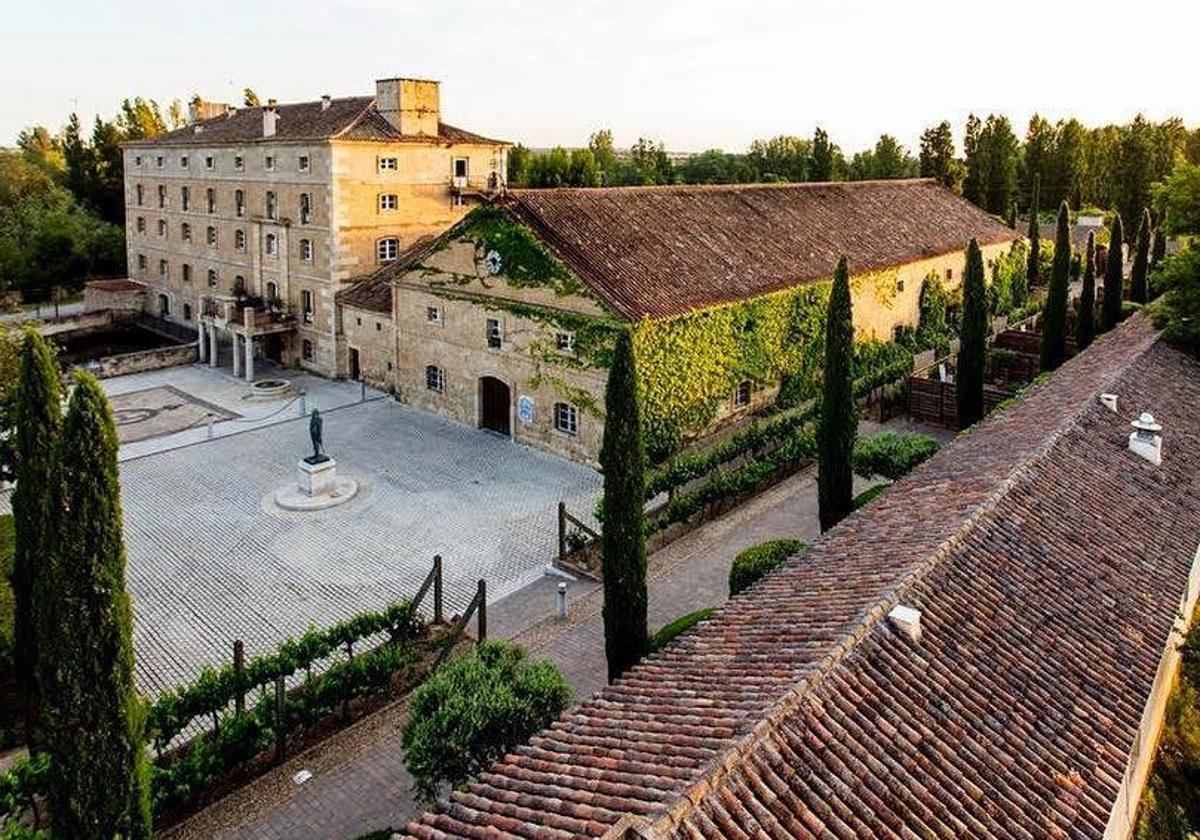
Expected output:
(144, 360)
(125, 295)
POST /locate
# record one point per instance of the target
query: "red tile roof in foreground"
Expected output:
(1049, 563)
(663, 251)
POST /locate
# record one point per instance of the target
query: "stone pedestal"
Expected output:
(319, 478)
(318, 487)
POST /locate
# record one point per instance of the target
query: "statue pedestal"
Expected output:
(318, 487)
(319, 478)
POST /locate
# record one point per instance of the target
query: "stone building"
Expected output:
(247, 222)
(499, 323)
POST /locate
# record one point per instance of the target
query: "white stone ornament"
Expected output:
(493, 262)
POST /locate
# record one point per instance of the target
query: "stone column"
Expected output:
(249, 366)
(202, 342)
(237, 354)
(213, 346)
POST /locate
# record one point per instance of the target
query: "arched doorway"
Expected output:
(495, 401)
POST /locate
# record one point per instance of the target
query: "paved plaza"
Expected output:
(211, 559)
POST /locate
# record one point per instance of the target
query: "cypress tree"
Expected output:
(839, 420)
(623, 461)
(1012, 215)
(1035, 246)
(38, 417)
(1113, 277)
(1085, 324)
(1138, 289)
(968, 378)
(1054, 320)
(1160, 247)
(93, 716)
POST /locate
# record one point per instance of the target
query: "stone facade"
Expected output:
(281, 211)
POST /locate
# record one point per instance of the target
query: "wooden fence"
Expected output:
(934, 401)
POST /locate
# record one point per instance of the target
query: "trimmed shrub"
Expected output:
(865, 497)
(892, 455)
(669, 632)
(759, 560)
(474, 710)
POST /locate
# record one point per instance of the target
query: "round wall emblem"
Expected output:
(493, 262)
(525, 409)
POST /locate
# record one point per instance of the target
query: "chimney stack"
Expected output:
(411, 105)
(1145, 439)
(201, 109)
(906, 620)
(326, 102)
(270, 117)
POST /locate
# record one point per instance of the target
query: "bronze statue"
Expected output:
(315, 425)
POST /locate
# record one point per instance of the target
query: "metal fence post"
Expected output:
(437, 589)
(280, 737)
(239, 676)
(481, 615)
(362, 390)
(210, 425)
(303, 402)
(562, 531)
(562, 600)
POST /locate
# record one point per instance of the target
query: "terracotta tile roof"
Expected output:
(662, 251)
(348, 118)
(1049, 564)
(115, 285)
(374, 291)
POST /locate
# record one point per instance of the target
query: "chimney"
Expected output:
(201, 109)
(1145, 439)
(1109, 401)
(907, 621)
(326, 102)
(410, 105)
(270, 118)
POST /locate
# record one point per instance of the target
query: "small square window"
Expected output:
(210, 162)
(137, 160)
(899, 284)
(460, 167)
(565, 342)
(388, 249)
(302, 162)
(269, 163)
(239, 162)
(387, 202)
(566, 418)
(306, 350)
(495, 333)
(358, 321)
(378, 326)
(433, 314)
(239, 240)
(158, 161)
(949, 273)
(387, 163)
(435, 379)
(741, 395)
(142, 262)
(141, 224)
(183, 162)
(211, 278)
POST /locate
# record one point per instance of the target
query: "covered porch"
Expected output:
(246, 325)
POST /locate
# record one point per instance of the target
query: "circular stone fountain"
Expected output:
(270, 389)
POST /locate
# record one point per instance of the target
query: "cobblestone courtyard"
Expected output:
(211, 559)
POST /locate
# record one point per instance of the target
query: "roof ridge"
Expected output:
(367, 108)
(726, 760)
(753, 185)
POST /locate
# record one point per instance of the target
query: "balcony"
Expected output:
(248, 314)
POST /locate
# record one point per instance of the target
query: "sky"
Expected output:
(694, 75)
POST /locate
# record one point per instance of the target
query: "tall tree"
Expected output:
(1139, 291)
(1160, 247)
(623, 462)
(1114, 277)
(937, 156)
(838, 426)
(1064, 173)
(992, 157)
(1085, 324)
(1035, 239)
(887, 160)
(37, 420)
(1012, 215)
(824, 154)
(1039, 145)
(973, 182)
(94, 719)
(1133, 172)
(968, 377)
(605, 154)
(1054, 322)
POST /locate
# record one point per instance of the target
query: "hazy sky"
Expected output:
(693, 74)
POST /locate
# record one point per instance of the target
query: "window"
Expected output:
(142, 264)
(186, 272)
(565, 342)
(185, 232)
(388, 249)
(210, 235)
(566, 418)
(741, 394)
(269, 163)
(158, 161)
(899, 284)
(210, 200)
(378, 326)
(305, 209)
(270, 205)
(306, 251)
(949, 273)
(239, 203)
(272, 245)
(187, 312)
(433, 314)
(164, 306)
(211, 278)
(162, 227)
(164, 269)
(239, 285)
(435, 379)
(162, 195)
(387, 163)
(185, 197)
(460, 167)
(183, 161)
(387, 202)
(137, 160)
(239, 162)
(306, 350)
(140, 194)
(210, 162)
(239, 239)
(495, 335)
(302, 163)
(306, 305)
(141, 224)
(272, 292)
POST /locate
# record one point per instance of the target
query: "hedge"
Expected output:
(759, 560)
(865, 497)
(892, 455)
(669, 632)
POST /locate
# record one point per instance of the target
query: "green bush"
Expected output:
(474, 710)
(669, 632)
(865, 497)
(892, 455)
(759, 560)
